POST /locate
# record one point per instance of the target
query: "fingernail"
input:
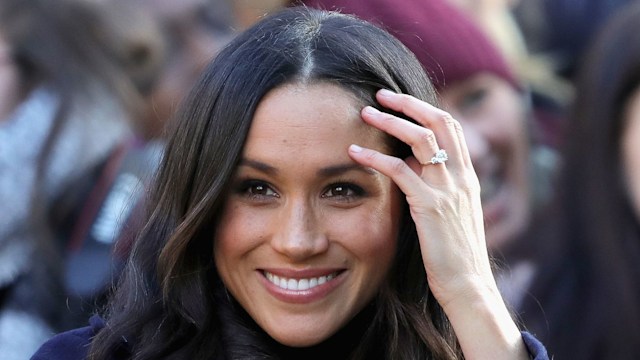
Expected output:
(371, 110)
(385, 93)
(355, 148)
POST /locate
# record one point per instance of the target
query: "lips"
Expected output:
(302, 287)
(299, 284)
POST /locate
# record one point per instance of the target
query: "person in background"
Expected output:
(193, 31)
(496, 19)
(105, 216)
(550, 93)
(312, 203)
(511, 154)
(584, 299)
(74, 74)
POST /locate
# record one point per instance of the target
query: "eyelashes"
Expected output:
(343, 190)
(256, 189)
(263, 191)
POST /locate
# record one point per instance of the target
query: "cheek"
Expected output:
(237, 233)
(371, 230)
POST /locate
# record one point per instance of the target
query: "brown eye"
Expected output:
(261, 190)
(340, 191)
(343, 191)
(257, 189)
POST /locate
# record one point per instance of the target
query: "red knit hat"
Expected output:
(448, 44)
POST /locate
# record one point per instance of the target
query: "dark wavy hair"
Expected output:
(588, 283)
(170, 303)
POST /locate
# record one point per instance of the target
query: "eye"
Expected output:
(343, 191)
(256, 189)
(473, 99)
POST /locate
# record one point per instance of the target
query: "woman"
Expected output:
(589, 283)
(294, 216)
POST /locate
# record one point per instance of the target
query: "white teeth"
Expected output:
(298, 284)
(292, 284)
(303, 284)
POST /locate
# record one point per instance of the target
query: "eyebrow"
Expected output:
(328, 171)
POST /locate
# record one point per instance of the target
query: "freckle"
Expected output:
(284, 141)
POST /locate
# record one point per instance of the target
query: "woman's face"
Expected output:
(307, 235)
(493, 116)
(631, 149)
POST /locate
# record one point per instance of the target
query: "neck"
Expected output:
(339, 346)
(243, 338)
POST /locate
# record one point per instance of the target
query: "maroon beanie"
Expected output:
(448, 44)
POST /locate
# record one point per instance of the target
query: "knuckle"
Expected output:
(387, 119)
(446, 118)
(469, 189)
(453, 123)
(427, 136)
(470, 185)
(371, 156)
(397, 166)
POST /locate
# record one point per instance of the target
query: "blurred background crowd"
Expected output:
(547, 91)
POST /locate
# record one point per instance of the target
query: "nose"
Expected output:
(299, 234)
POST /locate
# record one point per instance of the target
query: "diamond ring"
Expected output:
(439, 157)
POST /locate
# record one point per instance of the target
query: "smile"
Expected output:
(298, 284)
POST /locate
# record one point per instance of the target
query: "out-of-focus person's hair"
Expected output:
(588, 287)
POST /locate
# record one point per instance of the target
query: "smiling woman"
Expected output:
(312, 203)
(323, 230)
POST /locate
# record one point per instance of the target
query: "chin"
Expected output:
(299, 339)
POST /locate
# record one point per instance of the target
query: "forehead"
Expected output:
(330, 98)
(320, 116)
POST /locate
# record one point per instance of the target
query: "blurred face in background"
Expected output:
(630, 148)
(195, 30)
(493, 115)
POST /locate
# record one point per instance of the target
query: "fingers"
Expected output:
(396, 169)
(422, 140)
(447, 130)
